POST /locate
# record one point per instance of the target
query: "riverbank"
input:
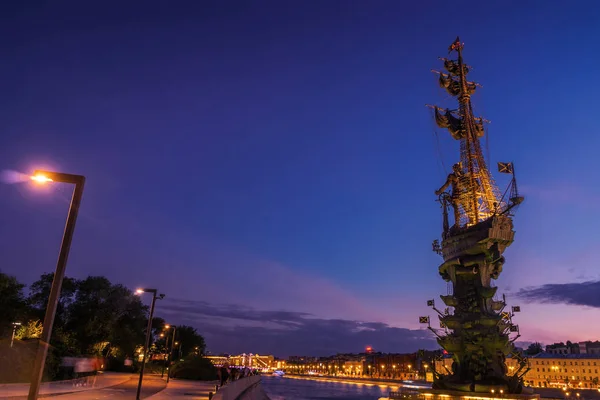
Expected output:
(254, 392)
(365, 381)
(545, 393)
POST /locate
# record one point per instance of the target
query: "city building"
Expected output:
(563, 348)
(548, 370)
(250, 360)
(566, 370)
(587, 347)
(372, 364)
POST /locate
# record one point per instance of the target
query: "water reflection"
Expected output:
(301, 389)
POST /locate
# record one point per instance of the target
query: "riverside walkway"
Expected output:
(101, 381)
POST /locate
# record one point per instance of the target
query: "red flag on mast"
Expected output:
(455, 45)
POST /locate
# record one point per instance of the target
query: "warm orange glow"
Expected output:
(167, 326)
(41, 178)
(139, 291)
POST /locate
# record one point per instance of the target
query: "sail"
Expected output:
(451, 86)
(479, 129)
(452, 67)
(450, 122)
(471, 88)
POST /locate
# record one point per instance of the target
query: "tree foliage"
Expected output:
(534, 348)
(190, 341)
(13, 305)
(39, 292)
(195, 367)
(29, 330)
(93, 317)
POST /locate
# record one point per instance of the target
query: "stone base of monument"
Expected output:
(433, 394)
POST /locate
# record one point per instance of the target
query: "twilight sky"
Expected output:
(270, 165)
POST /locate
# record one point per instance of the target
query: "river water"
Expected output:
(282, 388)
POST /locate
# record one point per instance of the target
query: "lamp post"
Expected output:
(162, 370)
(167, 355)
(12, 339)
(148, 333)
(59, 274)
(171, 353)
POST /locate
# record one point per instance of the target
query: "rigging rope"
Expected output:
(486, 130)
(487, 144)
(443, 97)
(439, 149)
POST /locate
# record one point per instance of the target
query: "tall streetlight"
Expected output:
(162, 335)
(171, 353)
(148, 333)
(168, 350)
(61, 265)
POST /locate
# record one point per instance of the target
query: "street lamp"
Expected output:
(61, 265)
(148, 333)
(167, 356)
(12, 339)
(171, 353)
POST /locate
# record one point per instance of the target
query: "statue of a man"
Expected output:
(454, 179)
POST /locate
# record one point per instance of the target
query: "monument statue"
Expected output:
(455, 178)
(476, 329)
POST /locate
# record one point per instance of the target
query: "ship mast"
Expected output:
(479, 197)
(466, 113)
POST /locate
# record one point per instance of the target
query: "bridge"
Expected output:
(253, 361)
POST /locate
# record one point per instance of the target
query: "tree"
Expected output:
(195, 367)
(534, 348)
(190, 341)
(13, 306)
(93, 316)
(30, 330)
(102, 312)
(39, 293)
(130, 324)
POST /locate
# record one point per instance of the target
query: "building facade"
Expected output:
(547, 370)
(250, 360)
(587, 347)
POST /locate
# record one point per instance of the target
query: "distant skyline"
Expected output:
(271, 166)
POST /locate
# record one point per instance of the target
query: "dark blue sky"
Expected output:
(278, 156)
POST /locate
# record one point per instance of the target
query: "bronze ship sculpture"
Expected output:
(474, 326)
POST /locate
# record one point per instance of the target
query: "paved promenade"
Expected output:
(181, 389)
(104, 380)
(115, 386)
(124, 391)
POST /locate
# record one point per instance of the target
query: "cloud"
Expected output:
(582, 293)
(234, 328)
(563, 193)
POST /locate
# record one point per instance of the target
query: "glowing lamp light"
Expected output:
(40, 178)
(139, 291)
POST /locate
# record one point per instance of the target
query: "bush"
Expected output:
(117, 364)
(16, 363)
(194, 367)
